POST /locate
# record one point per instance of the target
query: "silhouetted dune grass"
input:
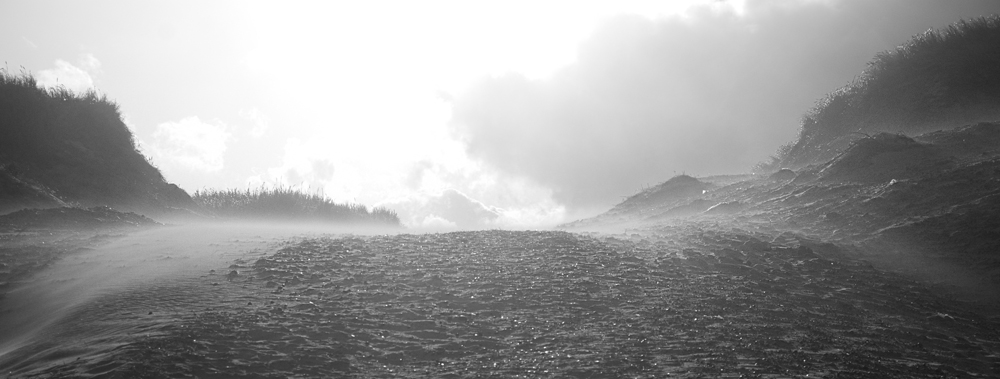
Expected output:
(289, 204)
(74, 147)
(940, 79)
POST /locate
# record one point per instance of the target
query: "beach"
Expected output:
(691, 303)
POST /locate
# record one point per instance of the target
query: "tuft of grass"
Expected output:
(21, 98)
(938, 79)
(76, 144)
(289, 204)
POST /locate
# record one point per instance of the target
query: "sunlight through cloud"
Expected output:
(192, 144)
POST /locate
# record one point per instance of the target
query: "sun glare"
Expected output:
(361, 79)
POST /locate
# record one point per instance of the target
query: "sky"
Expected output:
(469, 114)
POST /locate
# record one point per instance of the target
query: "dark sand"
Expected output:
(72, 294)
(502, 304)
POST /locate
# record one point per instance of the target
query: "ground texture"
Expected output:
(542, 304)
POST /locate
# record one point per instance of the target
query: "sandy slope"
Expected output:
(688, 302)
(85, 303)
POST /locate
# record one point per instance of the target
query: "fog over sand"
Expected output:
(873, 254)
(36, 315)
(686, 301)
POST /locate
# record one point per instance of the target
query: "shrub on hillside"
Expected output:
(939, 79)
(32, 114)
(289, 204)
(77, 145)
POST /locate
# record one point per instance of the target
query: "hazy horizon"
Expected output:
(486, 114)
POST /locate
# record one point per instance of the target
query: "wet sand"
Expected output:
(523, 304)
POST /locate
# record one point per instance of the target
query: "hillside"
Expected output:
(941, 79)
(901, 168)
(929, 206)
(60, 148)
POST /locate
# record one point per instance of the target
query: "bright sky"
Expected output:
(346, 97)
(351, 98)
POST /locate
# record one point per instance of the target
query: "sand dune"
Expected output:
(41, 317)
(530, 304)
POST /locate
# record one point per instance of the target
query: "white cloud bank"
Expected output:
(192, 144)
(712, 91)
(449, 209)
(452, 209)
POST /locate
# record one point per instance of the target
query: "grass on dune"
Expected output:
(76, 146)
(31, 112)
(938, 79)
(905, 86)
(289, 204)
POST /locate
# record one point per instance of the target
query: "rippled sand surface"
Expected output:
(87, 290)
(522, 304)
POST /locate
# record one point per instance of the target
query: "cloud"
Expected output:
(260, 122)
(444, 186)
(710, 92)
(322, 170)
(90, 63)
(302, 167)
(192, 143)
(77, 78)
(415, 178)
(454, 209)
(449, 209)
(434, 222)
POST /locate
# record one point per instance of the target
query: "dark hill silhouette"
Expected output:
(938, 80)
(61, 148)
(927, 205)
(902, 168)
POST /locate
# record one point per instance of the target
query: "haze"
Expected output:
(165, 255)
(504, 114)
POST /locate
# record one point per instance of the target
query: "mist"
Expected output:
(169, 255)
(712, 91)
